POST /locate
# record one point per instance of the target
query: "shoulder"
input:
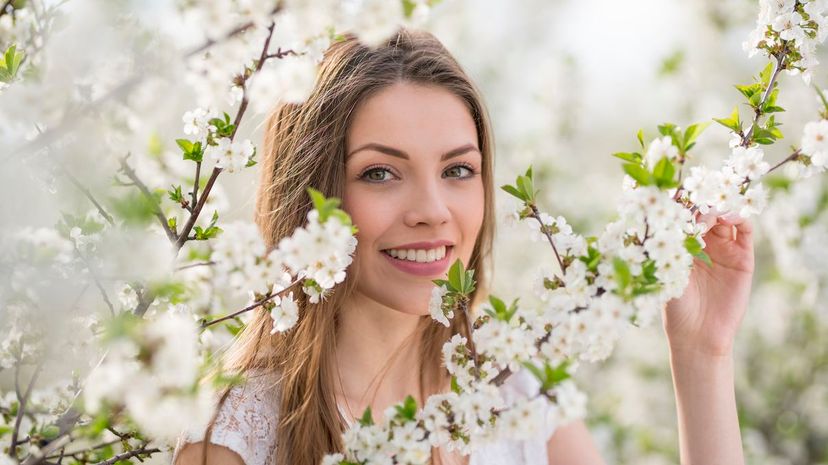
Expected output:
(245, 423)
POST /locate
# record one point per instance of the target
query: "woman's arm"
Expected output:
(191, 454)
(706, 402)
(573, 445)
(701, 326)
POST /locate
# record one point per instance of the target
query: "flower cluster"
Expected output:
(316, 254)
(151, 369)
(793, 28)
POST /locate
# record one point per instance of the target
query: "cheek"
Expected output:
(370, 215)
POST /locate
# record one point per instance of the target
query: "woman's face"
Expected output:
(414, 189)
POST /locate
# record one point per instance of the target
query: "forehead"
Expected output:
(416, 117)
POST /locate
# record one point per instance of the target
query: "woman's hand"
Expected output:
(706, 317)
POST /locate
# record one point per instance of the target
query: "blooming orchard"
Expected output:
(143, 379)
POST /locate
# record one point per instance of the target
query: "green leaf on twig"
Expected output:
(211, 231)
(548, 375)
(524, 188)
(499, 310)
(694, 248)
(732, 122)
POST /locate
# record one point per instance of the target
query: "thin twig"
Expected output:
(536, 215)
(195, 187)
(87, 193)
(22, 405)
(790, 157)
(130, 173)
(194, 265)
(259, 303)
(96, 280)
(746, 139)
(185, 231)
(128, 455)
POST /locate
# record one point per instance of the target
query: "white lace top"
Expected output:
(246, 424)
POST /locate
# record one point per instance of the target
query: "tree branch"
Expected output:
(130, 173)
(259, 303)
(22, 404)
(128, 455)
(536, 215)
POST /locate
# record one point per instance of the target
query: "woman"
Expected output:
(401, 135)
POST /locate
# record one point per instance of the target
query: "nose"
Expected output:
(427, 204)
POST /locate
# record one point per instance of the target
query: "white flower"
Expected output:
(196, 123)
(229, 155)
(787, 25)
(748, 162)
(319, 251)
(658, 149)
(815, 137)
(435, 306)
(754, 201)
(285, 314)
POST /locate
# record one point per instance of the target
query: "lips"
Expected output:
(436, 268)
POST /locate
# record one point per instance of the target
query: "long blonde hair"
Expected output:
(304, 146)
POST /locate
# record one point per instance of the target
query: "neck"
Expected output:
(377, 356)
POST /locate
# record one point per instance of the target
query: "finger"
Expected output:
(724, 231)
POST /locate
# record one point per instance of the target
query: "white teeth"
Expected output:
(418, 255)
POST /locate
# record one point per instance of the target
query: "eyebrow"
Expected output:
(400, 154)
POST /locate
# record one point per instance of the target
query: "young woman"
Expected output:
(401, 135)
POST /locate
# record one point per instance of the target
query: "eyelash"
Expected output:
(371, 168)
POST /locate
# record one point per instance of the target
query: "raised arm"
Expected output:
(701, 326)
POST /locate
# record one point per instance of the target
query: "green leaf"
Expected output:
(623, 276)
(640, 137)
(455, 276)
(664, 172)
(692, 133)
(766, 74)
(749, 90)
(10, 64)
(632, 157)
(367, 419)
(639, 173)
(454, 386)
(667, 129)
(408, 409)
(512, 190)
(731, 122)
(185, 144)
(694, 248)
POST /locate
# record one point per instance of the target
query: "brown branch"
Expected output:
(195, 187)
(790, 157)
(746, 139)
(87, 193)
(185, 231)
(536, 215)
(22, 400)
(130, 173)
(194, 265)
(128, 455)
(96, 280)
(259, 303)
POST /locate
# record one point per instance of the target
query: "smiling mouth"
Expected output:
(423, 256)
